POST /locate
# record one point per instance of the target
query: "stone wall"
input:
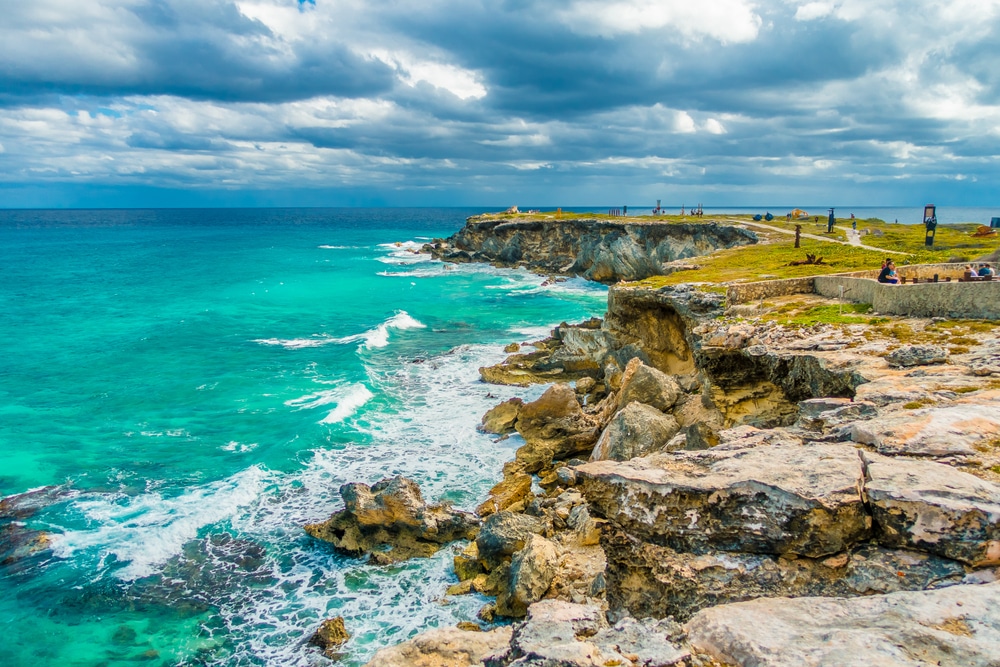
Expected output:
(951, 299)
(747, 292)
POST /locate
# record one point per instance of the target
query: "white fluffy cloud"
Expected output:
(722, 20)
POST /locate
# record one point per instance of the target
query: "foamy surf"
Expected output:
(371, 339)
(146, 530)
(348, 403)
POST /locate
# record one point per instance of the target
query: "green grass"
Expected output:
(768, 261)
(796, 315)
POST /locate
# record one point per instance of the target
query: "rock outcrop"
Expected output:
(444, 647)
(391, 522)
(957, 626)
(605, 251)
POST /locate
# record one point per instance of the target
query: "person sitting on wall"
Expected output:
(888, 274)
(970, 273)
(986, 271)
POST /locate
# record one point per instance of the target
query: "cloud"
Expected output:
(469, 98)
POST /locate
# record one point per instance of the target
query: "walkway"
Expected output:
(853, 236)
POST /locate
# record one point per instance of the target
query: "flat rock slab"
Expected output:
(954, 430)
(935, 508)
(443, 647)
(776, 499)
(957, 626)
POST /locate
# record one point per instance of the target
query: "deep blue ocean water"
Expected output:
(195, 385)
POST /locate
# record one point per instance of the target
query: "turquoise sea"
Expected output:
(186, 388)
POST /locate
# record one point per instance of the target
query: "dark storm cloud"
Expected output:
(500, 97)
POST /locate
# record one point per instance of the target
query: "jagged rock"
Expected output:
(505, 533)
(467, 563)
(512, 490)
(18, 542)
(512, 347)
(500, 419)
(954, 627)
(699, 436)
(391, 522)
(649, 580)
(953, 430)
(601, 250)
(933, 507)
(554, 427)
(775, 499)
(821, 413)
(25, 505)
(636, 430)
(563, 634)
(444, 647)
(585, 385)
(531, 572)
(330, 636)
(917, 355)
(644, 384)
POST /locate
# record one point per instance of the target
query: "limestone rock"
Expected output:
(18, 542)
(648, 580)
(500, 419)
(467, 563)
(391, 522)
(513, 489)
(644, 384)
(952, 430)
(563, 634)
(531, 572)
(636, 430)
(954, 627)
(776, 499)
(917, 355)
(822, 413)
(330, 636)
(554, 427)
(444, 647)
(933, 507)
(505, 533)
(700, 436)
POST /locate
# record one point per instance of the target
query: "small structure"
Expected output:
(830, 223)
(930, 224)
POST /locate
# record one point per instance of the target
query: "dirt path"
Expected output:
(853, 236)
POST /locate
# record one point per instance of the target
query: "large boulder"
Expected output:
(954, 627)
(330, 636)
(444, 647)
(635, 430)
(391, 522)
(648, 580)
(554, 427)
(501, 418)
(512, 490)
(505, 533)
(531, 572)
(775, 499)
(917, 355)
(935, 508)
(644, 384)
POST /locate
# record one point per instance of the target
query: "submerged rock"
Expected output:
(391, 522)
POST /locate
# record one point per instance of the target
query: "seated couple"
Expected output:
(888, 273)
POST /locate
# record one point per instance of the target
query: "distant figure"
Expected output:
(888, 274)
(854, 223)
(970, 273)
(986, 271)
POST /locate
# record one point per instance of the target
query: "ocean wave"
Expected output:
(371, 339)
(346, 399)
(339, 247)
(146, 530)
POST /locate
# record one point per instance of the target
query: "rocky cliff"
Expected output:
(605, 251)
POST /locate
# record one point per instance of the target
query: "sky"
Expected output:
(502, 102)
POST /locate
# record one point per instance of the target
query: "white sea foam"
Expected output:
(351, 400)
(146, 530)
(371, 339)
(339, 247)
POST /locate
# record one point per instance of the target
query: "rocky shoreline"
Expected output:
(705, 485)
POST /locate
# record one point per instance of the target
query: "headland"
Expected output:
(735, 466)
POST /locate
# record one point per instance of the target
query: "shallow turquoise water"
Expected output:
(196, 385)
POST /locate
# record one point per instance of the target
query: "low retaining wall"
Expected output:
(952, 299)
(747, 292)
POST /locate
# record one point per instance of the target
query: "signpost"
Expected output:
(930, 224)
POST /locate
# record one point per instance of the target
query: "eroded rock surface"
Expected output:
(954, 627)
(635, 430)
(444, 647)
(391, 522)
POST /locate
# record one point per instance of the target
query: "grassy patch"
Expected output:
(796, 315)
(965, 390)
